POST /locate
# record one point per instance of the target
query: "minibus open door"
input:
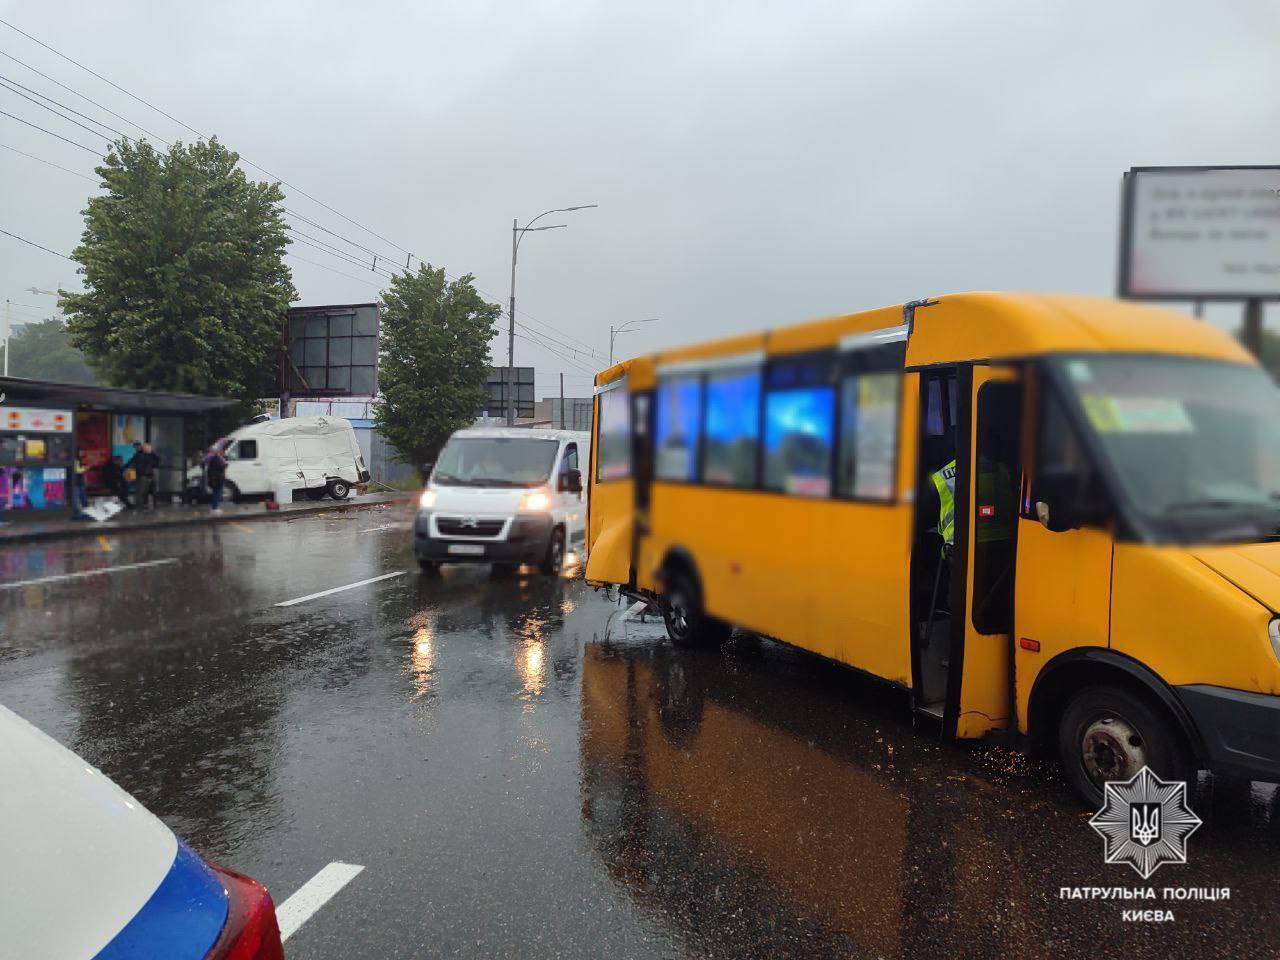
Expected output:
(961, 654)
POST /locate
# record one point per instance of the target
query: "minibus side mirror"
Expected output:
(1063, 502)
(571, 481)
(425, 469)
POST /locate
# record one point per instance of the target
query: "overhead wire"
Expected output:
(49, 163)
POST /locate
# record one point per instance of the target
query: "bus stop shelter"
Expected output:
(45, 427)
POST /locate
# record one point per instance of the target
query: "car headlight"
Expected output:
(535, 501)
(1273, 631)
(427, 500)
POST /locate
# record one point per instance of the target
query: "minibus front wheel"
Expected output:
(1109, 734)
(688, 625)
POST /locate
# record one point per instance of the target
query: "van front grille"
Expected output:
(460, 527)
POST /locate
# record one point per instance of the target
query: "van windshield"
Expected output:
(495, 462)
(1194, 443)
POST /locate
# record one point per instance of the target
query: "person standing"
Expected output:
(113, 479)
(215, 474)
(144, 464)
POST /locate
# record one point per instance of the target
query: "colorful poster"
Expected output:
(127, 429)
(32, 488)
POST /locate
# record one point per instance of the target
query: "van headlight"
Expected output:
(1273, 631)
(536, 501)
(427, 500)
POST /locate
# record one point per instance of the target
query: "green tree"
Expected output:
(434, 360)
(186, 288)
(42, 350)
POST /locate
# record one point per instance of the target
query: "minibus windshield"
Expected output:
(495, 462)
(1195, 444)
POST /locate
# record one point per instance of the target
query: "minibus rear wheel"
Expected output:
(1109, 734)
(688, 625)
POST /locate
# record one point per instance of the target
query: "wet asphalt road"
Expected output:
(525, 773)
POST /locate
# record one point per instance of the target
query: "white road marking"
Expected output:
(87, 573)
(387, 526)
(313, 895)
(349, 586)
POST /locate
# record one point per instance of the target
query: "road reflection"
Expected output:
(765, 803)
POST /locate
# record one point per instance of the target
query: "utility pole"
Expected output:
(517, 234)
(7, 330)
(1253, 326)
(561, 399)
(510, 385)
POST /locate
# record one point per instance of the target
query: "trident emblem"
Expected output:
(1144, 823)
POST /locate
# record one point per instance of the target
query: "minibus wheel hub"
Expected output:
(1113, 750)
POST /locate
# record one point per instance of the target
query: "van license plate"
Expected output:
(469, 549)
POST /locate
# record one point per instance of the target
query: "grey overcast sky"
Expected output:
(755, 163)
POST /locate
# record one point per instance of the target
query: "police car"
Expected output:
(87, 872)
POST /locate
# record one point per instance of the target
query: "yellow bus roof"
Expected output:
(979, 326)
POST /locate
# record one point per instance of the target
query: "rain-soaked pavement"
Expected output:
(524, 773)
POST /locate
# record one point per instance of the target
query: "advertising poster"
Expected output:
(93, 432)
(32, 488)
(127, 429)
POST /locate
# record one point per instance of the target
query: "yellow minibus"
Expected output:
(1052, 519)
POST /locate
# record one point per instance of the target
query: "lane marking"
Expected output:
(387, 526)
(88, 573)
(349, 586)
(240, 526)
(102, 542)
(313, 895)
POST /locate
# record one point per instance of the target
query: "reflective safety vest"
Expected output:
(945, 482)
(995, 490)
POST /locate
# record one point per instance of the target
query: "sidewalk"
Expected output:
(166, 516)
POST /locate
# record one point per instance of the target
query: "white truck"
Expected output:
(317, 455)
(505, 496)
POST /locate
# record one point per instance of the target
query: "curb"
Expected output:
(204, 518)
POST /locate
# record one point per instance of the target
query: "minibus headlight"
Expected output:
(427, 500)
(1273, 631)
(535, 501)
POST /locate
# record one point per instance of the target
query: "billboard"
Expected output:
(1201, 233)
(498, 387)
(332, 351)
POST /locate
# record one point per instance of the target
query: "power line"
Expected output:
(202, 136)
(324, 266)
(340, 256)
(74, 143)
(554, 352)
(45, 106)
(338, 251)
(32, 243)
(249, 162)
(31, 156)
(14, 83)
(63, 86)
(561, 343)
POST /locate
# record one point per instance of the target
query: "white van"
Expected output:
(505, 496)
(317, 455)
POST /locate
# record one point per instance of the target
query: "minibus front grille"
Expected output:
(468, 527)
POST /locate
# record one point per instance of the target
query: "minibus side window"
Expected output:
(732, 428)
(799, 440)
(869, 434)
(677, 426)
(613, 461)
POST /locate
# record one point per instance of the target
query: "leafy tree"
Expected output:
(434, 360)
(186, 288)
(42, 350)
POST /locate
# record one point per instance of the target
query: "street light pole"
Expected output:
(517, 234)
(625, 328)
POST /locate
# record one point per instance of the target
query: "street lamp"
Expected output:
(517, 234)
(625, 328)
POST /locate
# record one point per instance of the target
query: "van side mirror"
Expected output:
(1064, 501)
(425, 469)
(571, 481)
